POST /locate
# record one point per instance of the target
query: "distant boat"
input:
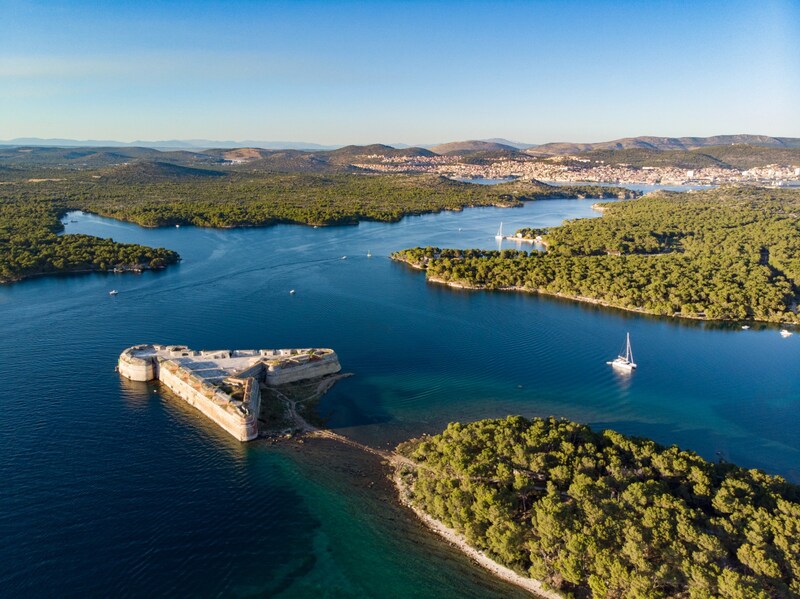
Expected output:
(369, 254)
(745, 327)
(624, 363)
(113, 292)
(177, 226)
(344, 257)
(785, 333)
(291, 292)
(499, 232)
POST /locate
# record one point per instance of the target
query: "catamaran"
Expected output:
(625, 362)
(499, 232)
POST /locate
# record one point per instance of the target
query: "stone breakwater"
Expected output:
(225, 384)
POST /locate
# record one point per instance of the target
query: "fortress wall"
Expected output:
(149, 362)
(244, 429)
(137, 369)
(252, 391)
(283, 375)
(255, 371)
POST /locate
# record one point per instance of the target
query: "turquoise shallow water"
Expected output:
(110, 488)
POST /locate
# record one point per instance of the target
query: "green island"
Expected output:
(727, 254)
(163, 194)
(602, 514)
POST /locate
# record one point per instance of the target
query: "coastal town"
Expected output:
(574, 169)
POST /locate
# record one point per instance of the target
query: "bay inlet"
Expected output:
(128, 489)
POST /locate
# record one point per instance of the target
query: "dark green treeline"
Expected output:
(609, 515)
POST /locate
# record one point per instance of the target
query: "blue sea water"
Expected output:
(110, 488)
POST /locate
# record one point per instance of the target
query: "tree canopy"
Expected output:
(609, 515)
(727, 254)
(155, 195)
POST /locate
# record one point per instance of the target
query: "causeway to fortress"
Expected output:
(225, 385)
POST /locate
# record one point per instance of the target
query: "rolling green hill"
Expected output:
(156, 171)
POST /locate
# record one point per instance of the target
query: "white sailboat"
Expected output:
(624, 363)
(499, 232)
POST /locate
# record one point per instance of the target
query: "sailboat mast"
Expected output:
(628, 351)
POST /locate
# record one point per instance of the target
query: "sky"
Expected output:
(398, 72)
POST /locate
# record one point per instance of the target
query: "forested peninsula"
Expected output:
(604, 515)
(30, 244)
(725, 254)
(161, 194)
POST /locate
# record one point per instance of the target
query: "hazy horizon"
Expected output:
(311, 145)
(414, 72)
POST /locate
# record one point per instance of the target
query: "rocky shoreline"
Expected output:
(458, 541)
(304, 432)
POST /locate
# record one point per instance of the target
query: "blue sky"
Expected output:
(413, 72)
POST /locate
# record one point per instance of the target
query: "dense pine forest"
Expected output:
(607, 515)
(731, 253)
(30, 243)
(157, 194)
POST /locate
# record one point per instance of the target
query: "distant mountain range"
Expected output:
(170, 144)
(484, 146)
(471, 146)
(205, 144)
(667, 143)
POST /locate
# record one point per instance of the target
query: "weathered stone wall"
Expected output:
(252, 391)
(218, 410)
(136, 368)
(282, 375)
(239, 418)
(256, 371)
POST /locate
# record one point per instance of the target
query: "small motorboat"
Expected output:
(745, 327)
(177, 226)
(344, 257)
(785, 333)
(113, 292)
(291, 292)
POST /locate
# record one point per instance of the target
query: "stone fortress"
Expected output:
(225, 384)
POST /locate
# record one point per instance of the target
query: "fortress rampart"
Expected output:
(225, 384)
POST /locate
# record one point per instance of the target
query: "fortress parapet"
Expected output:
(225, 384)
